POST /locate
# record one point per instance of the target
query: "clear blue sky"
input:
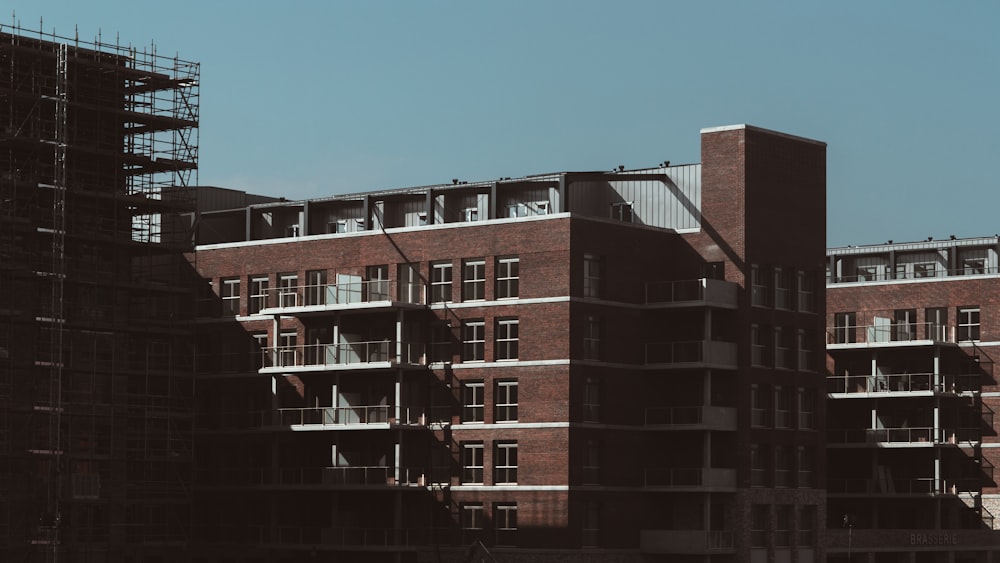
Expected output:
(313, 98)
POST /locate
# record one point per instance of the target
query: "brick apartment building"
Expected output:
(912, 441)
(619, 365)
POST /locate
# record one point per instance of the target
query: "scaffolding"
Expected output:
(98, 162)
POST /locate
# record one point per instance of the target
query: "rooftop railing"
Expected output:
(936, 273)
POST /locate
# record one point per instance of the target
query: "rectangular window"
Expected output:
(591, 275)
(759, 289)
(288, 290)
(784, 398)
(759, 466)
(904, 325)
(504, 463)
(783, 525)
(377, 282)
(505, 523)
(783, 288)
(807, 409)
(258, 293)
(474, 279)
(286, 349)
(230, 296)
(759, 406)
(807, 525)
(968, 323)
(316, 287)
(937, 323)
(506, 339)
(845, 328)
(409, 288)
(622, 211)
(471, 214)
(473, 401)
(924, 270)
(440, 282)
(759, 346)
(441, 339)
(592, 465)
(473, 340)
(505, 401)
(783, 356)
(807, 350)
(868, 273)
(592, 400)
(339, 226)
(592, 525)
(473, 518)
(973, 266)
(592, 338)
(759, 515)
(507, 277)
(807, 292)
(807, 467)
(472, 462)
(783, 466)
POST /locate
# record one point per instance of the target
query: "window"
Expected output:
(316, 287)
(287, 290)
(807, 467)
(807, 525)
(471, 214)
(377, 282)
(507, 277)
(759, 515)
(714, 270)
(937, 323)
(421, 218)
(592, 525)
(505, 401)
(592, 338)
(807, 409)
(473, 340)
(286, 349)
(904, 325)
(258, 293)
(759, 406)
(474, 279)
(622, 211)
(758, 466)
(337, 226)
(924, 270)
(783, 348)
(868, 273)
(472, 518)
(807, 292)
(592, 400)
(506, 339)
(441, 342)
(504, 462)
(258, 348)
(973, 266)
(472, 401)
(783, 466)
(408, 284)
(759, 345)
(968, 323)
(472, 462)
(759, 290)
(784, 398)
(591, 275)
(440, 282)
(845, 328)
(592, 465)
(505, 523)
(231, 296)
(807, 350)
(783, 288)
(783, 525)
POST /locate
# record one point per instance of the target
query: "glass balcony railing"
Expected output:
(692, 352)
(690, 477)
(692, 292)
(337, 295)
(902, 382)
(917, 436)
(351, 353)
(880, 333)
(709, 416)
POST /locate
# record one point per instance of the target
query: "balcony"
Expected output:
(345, 295)
(910, 486)
(350, 355)
(685, 541)
(694, 353)
(378, 415)
(884, 332)
(691, 478)
(692, 418)
(335, 538)
(923, 383)
(909, 437)
(692, 293)
(313, 477)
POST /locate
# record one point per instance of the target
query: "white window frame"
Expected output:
(473, 470)
(505, 462)
(288, 289)
(441, 282)
(473, 401)
(258, 294)
(592, 275)
(470, 214)
(230, 288)
(474, 340)
(474, 279)
(505, 523)
(505, 400)
(508, 273)
(506, 347)
(967, 328)
(316, 287)
(592, 338)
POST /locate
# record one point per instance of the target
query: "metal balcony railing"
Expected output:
(890, 332)
(351, 353)
(339, 416)
(684, 477)
(692, 291)
(685, 416)
(344, 293)
(902, 382)
(908, 435)
(692, 351)
(914, 485)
